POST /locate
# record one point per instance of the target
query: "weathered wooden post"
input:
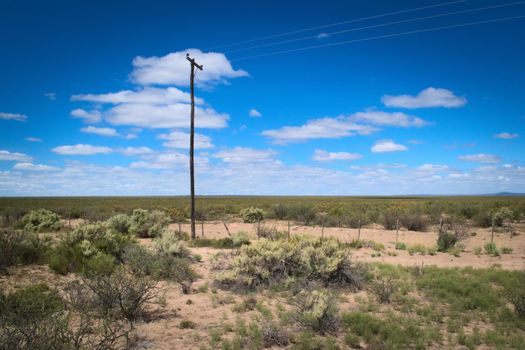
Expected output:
(288, 228)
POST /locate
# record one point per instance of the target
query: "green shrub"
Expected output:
(280, 212)
(146, 224)
(41, 220)
(168, 243)
(120, 223)
(516, 295)
(218, 243)
(384, 288)
(417, 248)
(96, 242)
(187, 324)
(401, 246)
(477, 250)
(266, 262)
(389, 219)
(304, 214)
(394, 333)
(446, 241)
(270, 233)
(317, 310)
(19, 247)
(252, 215)
(240, 238)
(414, 221)
(506, 250)
(491, 249)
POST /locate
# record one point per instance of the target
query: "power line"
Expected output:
(336, 24)
(375, 26)
(378, 37)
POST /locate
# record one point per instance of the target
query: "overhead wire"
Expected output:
(377, 37)
(336, 24)
(375, 26)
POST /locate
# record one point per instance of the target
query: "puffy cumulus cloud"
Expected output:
(361, 123)
(34, 167)
(433, 168)
(100, 131)
(81, 149)
(396, 119)
(136, 151)
(172, 69)
(323, 128)
(147, 95)
(87, 117)
(6, 155)
(480, 158)
(324, 156)
(245, 155)
(13, 116)
(167, 174)
(33, 139)
(180, 139)
(383, 146)
(165, 116)
(429, 97)
(170, 160)
(254, 113)
(506, 135)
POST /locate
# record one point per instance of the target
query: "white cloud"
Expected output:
(324, 128)
(81, 149)
(322, 36)
(100, 131)
(148, 95)
(173, 69)
(324, 156)
(429, 97)
(170, 160)
(362, 123)
(245, 155)
(13, 116)
(34, 167)
(480, 158)
(179, 139)
(33, 139)
(254, 113)
(51, 95)
(431, 168)
(388, 119)
(387, 146)
(6, 155)
(167, 116)
(87, 117)
(135, 151)
(506, 135)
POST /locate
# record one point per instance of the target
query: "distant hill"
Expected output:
(506, 194)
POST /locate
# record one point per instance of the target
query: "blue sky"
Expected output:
(94, 97)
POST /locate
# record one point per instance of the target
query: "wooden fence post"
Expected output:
(288, 228)
(359, 229)
(397, 230)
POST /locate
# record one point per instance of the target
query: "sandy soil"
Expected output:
(513, 261)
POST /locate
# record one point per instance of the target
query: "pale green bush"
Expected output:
(169, 244)
(317, 310)
(300, 258)
(41, 220)
(120, 223)
(240, 238)
(146, 224)
(252, 215)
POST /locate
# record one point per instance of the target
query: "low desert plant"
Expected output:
(317, 310)
(414, 221)
(506, 250)
(146, 224)
(401, 246)
(252, 215)
(300, 258)
(384, 288)
(491, 249)
(20, 247)
(417, 248)
(41, 220)
(120, 223)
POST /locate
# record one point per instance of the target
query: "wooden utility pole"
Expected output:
(193, 64)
